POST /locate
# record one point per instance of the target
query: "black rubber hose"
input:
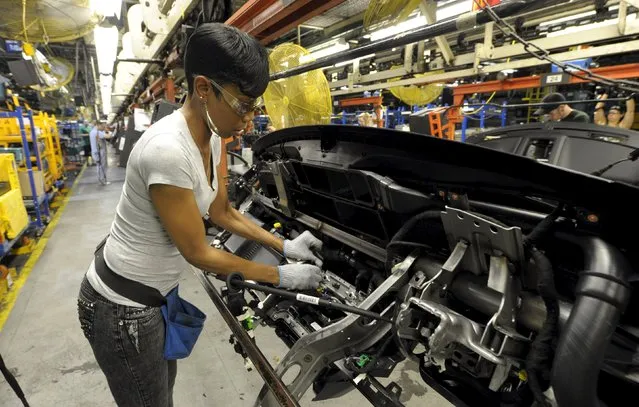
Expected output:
(539, 359)
(400, 235)
(602, 294)
(541, 230)
(239, 157)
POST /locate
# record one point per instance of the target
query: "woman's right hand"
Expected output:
(299, 276)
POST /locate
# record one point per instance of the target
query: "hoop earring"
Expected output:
(209, 121)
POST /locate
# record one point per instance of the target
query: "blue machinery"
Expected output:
(40, 203)
(483, 112)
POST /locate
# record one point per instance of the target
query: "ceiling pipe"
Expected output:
(460, 23)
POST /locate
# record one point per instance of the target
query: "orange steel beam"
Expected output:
(248, 11)
(169, 90)
(162, 86)
(373, 100)
(480, 4)
(613, 72)
(269, 19)
(299, 15)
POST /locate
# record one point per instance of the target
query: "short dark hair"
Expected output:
(228, 56)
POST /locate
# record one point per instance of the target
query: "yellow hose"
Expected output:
(24, 20)
(491, 96)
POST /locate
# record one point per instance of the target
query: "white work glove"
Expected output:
(300, 248)
(299, 276)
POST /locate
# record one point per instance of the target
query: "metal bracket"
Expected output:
(286, 205)
(454, 328)
(484, 238)
(623, 17)
(502, 280)
(455, 258)
(315, 351)
(408, 57)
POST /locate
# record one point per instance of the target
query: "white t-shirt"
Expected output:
(138, 247)
(94, 135)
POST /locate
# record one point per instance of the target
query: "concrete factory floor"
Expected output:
(43, 345)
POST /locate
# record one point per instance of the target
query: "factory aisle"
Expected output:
(43, 345)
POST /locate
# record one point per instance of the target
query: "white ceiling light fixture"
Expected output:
(413, 23)
(328, 48)
(106, 48)
(339, 64)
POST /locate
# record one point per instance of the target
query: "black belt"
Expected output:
(133, 290)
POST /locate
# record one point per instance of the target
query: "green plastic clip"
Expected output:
(363, 360)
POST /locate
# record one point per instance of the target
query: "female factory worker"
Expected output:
(171, 183)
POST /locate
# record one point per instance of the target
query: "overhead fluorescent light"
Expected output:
(337, 65)
(326, 49)
(407, 25)
(106, 47)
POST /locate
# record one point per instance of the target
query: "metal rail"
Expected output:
(272, 380)
(459, 23)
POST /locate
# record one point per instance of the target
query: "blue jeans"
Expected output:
(128, 344)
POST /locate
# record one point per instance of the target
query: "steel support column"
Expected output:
(429, 10)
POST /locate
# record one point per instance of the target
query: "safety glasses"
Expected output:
(240, 107)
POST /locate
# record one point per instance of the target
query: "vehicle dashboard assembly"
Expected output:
(507, 281)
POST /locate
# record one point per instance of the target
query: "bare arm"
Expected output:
(600, 115)
(223, 214)
(180, 217)
(628, 118)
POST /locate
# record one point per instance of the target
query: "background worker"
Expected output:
(561, 112)
(615, 117)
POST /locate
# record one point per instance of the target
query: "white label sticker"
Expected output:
(307, 299)
(554, 78)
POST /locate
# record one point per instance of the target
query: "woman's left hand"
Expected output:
(301, 248)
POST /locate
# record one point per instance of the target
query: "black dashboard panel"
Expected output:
(576, 146)
(429, 165)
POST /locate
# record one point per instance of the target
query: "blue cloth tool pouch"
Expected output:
(184, 323)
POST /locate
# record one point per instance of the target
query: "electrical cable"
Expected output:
(489, 99)
(544, 55)
(482, 106)
(633, 156)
